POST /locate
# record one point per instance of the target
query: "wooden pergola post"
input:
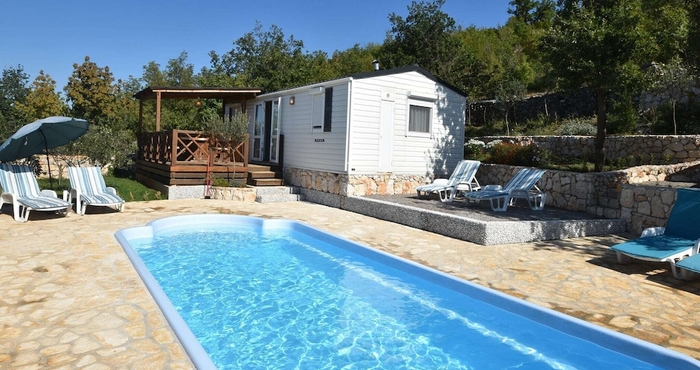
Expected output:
(140, 130)
(157, 111)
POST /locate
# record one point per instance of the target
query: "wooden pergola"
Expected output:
(184, 157)
(227, 95)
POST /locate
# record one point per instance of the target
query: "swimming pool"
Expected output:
(280, 294)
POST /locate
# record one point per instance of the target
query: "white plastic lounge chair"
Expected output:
(462, 179)
(678, 239)
(20, 189)
(690, 267)
(522, 185)
(88, 189)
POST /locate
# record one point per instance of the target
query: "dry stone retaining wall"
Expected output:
(624, 194)
(636, 149)
(353, 185)
(628, 194)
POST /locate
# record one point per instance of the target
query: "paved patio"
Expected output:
(69, 297)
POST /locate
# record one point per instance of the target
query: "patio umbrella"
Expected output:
(40, 136)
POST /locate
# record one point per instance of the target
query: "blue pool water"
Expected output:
(281, 295)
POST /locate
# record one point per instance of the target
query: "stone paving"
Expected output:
(69, 297)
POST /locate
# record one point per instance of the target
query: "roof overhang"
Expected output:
(150, 93)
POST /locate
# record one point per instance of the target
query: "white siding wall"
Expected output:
(303, 147)
(437, 154)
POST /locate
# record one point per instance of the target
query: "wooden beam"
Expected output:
(158, 111)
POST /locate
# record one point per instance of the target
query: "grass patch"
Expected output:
(129, 189)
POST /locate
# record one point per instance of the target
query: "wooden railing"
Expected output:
(181, 147)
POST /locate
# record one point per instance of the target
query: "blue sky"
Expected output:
(126, 35)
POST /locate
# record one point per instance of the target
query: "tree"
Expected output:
(91, 94)
(508, 94)
(353, 60)
(127, 108)
(672, 81)
(13, 90)
(600, 45)
(43, 100)
(692, 41)
(428, 37)
(530, 22)
(533, 11)
(175, 113)
(266, 59)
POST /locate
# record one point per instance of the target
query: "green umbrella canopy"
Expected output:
(44, 134)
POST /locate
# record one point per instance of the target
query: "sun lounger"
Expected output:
(462, 179)
(88, 189)
(522, 185)
(689, 267)
(680, 237)
(21, 189)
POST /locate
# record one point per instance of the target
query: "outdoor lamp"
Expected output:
(291, 100)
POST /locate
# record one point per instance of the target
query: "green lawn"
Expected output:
(130, 190)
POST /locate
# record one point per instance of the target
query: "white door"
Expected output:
(258, 133)
(386, 135)
(275, 131)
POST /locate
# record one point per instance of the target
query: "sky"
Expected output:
(126, 35)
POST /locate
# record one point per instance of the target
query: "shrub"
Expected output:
(504, 153)
(623, 117)
(232, 128)
(519, 155)
(577, 127)
(474, 149)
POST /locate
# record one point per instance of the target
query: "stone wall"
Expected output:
(354, 185)
(580, 103)
(646, 206)
(326, 182)
(231, 193)
(629, 194)
(601, 193)
(635, 149)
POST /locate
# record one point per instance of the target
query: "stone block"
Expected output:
(644, 208)
(627, 198)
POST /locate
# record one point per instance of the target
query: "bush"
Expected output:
(623, 117)
(687, 117)
(504, 153)
(232, 128)
(577, 126)
(519, 155)
(474, 149)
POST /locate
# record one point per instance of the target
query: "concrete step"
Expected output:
(277, 194)
(277, 190)
(278, 198)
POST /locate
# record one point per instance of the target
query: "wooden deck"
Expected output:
(182, 157)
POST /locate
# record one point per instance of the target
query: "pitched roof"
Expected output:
(404, 69)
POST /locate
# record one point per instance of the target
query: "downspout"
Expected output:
(348, 136)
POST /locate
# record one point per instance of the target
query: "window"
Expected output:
(420, 118)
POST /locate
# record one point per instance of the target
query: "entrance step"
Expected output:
(266, 182)
(278, 194)
(261, 175)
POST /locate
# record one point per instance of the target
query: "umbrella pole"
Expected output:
(48, 162)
